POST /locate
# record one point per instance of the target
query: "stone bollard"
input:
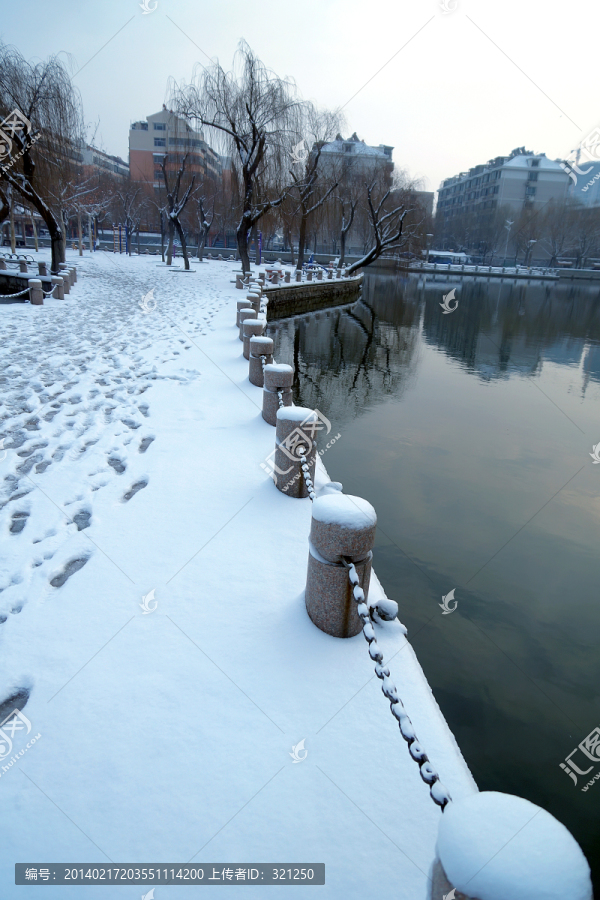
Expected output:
(330, 273)
(342, 526)
(2, 264)
(246, 313)
(338, 273)
(73, 269)
(66, 274)
(253, 301)
(309, 275)
(298, 276)
(36, 292)
(58, 290)
(320, 275)
(497, 845)
(278, 377)
(287, 277)
(275, 278)
(261, 277)
(238, 280)
(23, 265)
(252, 328)
(260, 347)
(42, 270)
(241, 304)
(295, 437)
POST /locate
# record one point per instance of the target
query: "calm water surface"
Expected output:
(471, 434)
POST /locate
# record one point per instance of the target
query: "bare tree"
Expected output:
(386, 229)
(44, 95)
(175, 207)
(256, 111)
(203, 224)
(348, 212)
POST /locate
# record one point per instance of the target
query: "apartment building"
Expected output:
(522, 180)
(166, 133)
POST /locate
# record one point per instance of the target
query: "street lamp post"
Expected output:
(429, 237)
(509, 224)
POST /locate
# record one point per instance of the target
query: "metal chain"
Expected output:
(438, 792)
(307, 479)
(20, 294)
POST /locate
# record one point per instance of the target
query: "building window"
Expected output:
(535, 163)
(496, 189)
(160, 142)
(529, 192)
(533, 176)
(160, 126)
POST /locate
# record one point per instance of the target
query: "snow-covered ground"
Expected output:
(131, 463)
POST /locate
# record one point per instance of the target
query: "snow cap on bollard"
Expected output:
(494, 846)
(36, 292)
(251, 328)
(246, 313)
(259, 347)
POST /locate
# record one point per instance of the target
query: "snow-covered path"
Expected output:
(131, 462)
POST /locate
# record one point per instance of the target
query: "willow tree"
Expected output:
(255, 112)
(42, 118)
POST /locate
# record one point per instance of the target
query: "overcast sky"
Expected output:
(456, 88)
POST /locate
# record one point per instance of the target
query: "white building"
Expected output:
(520, 181)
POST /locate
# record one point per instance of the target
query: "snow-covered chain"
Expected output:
(307, 479)
(20, 294)
(280, 398)
(438, 792)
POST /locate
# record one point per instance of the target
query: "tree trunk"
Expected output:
(162, 236)
(63, 231)
(201, 244)
(291, 243)
(171, 235)
(90, 233)
(301, 244)
(80, 234)
(342, 248)
(242, 243)
(186, 262)
(35, 236)
(13, 240)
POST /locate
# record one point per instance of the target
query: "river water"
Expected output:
(471, 432)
